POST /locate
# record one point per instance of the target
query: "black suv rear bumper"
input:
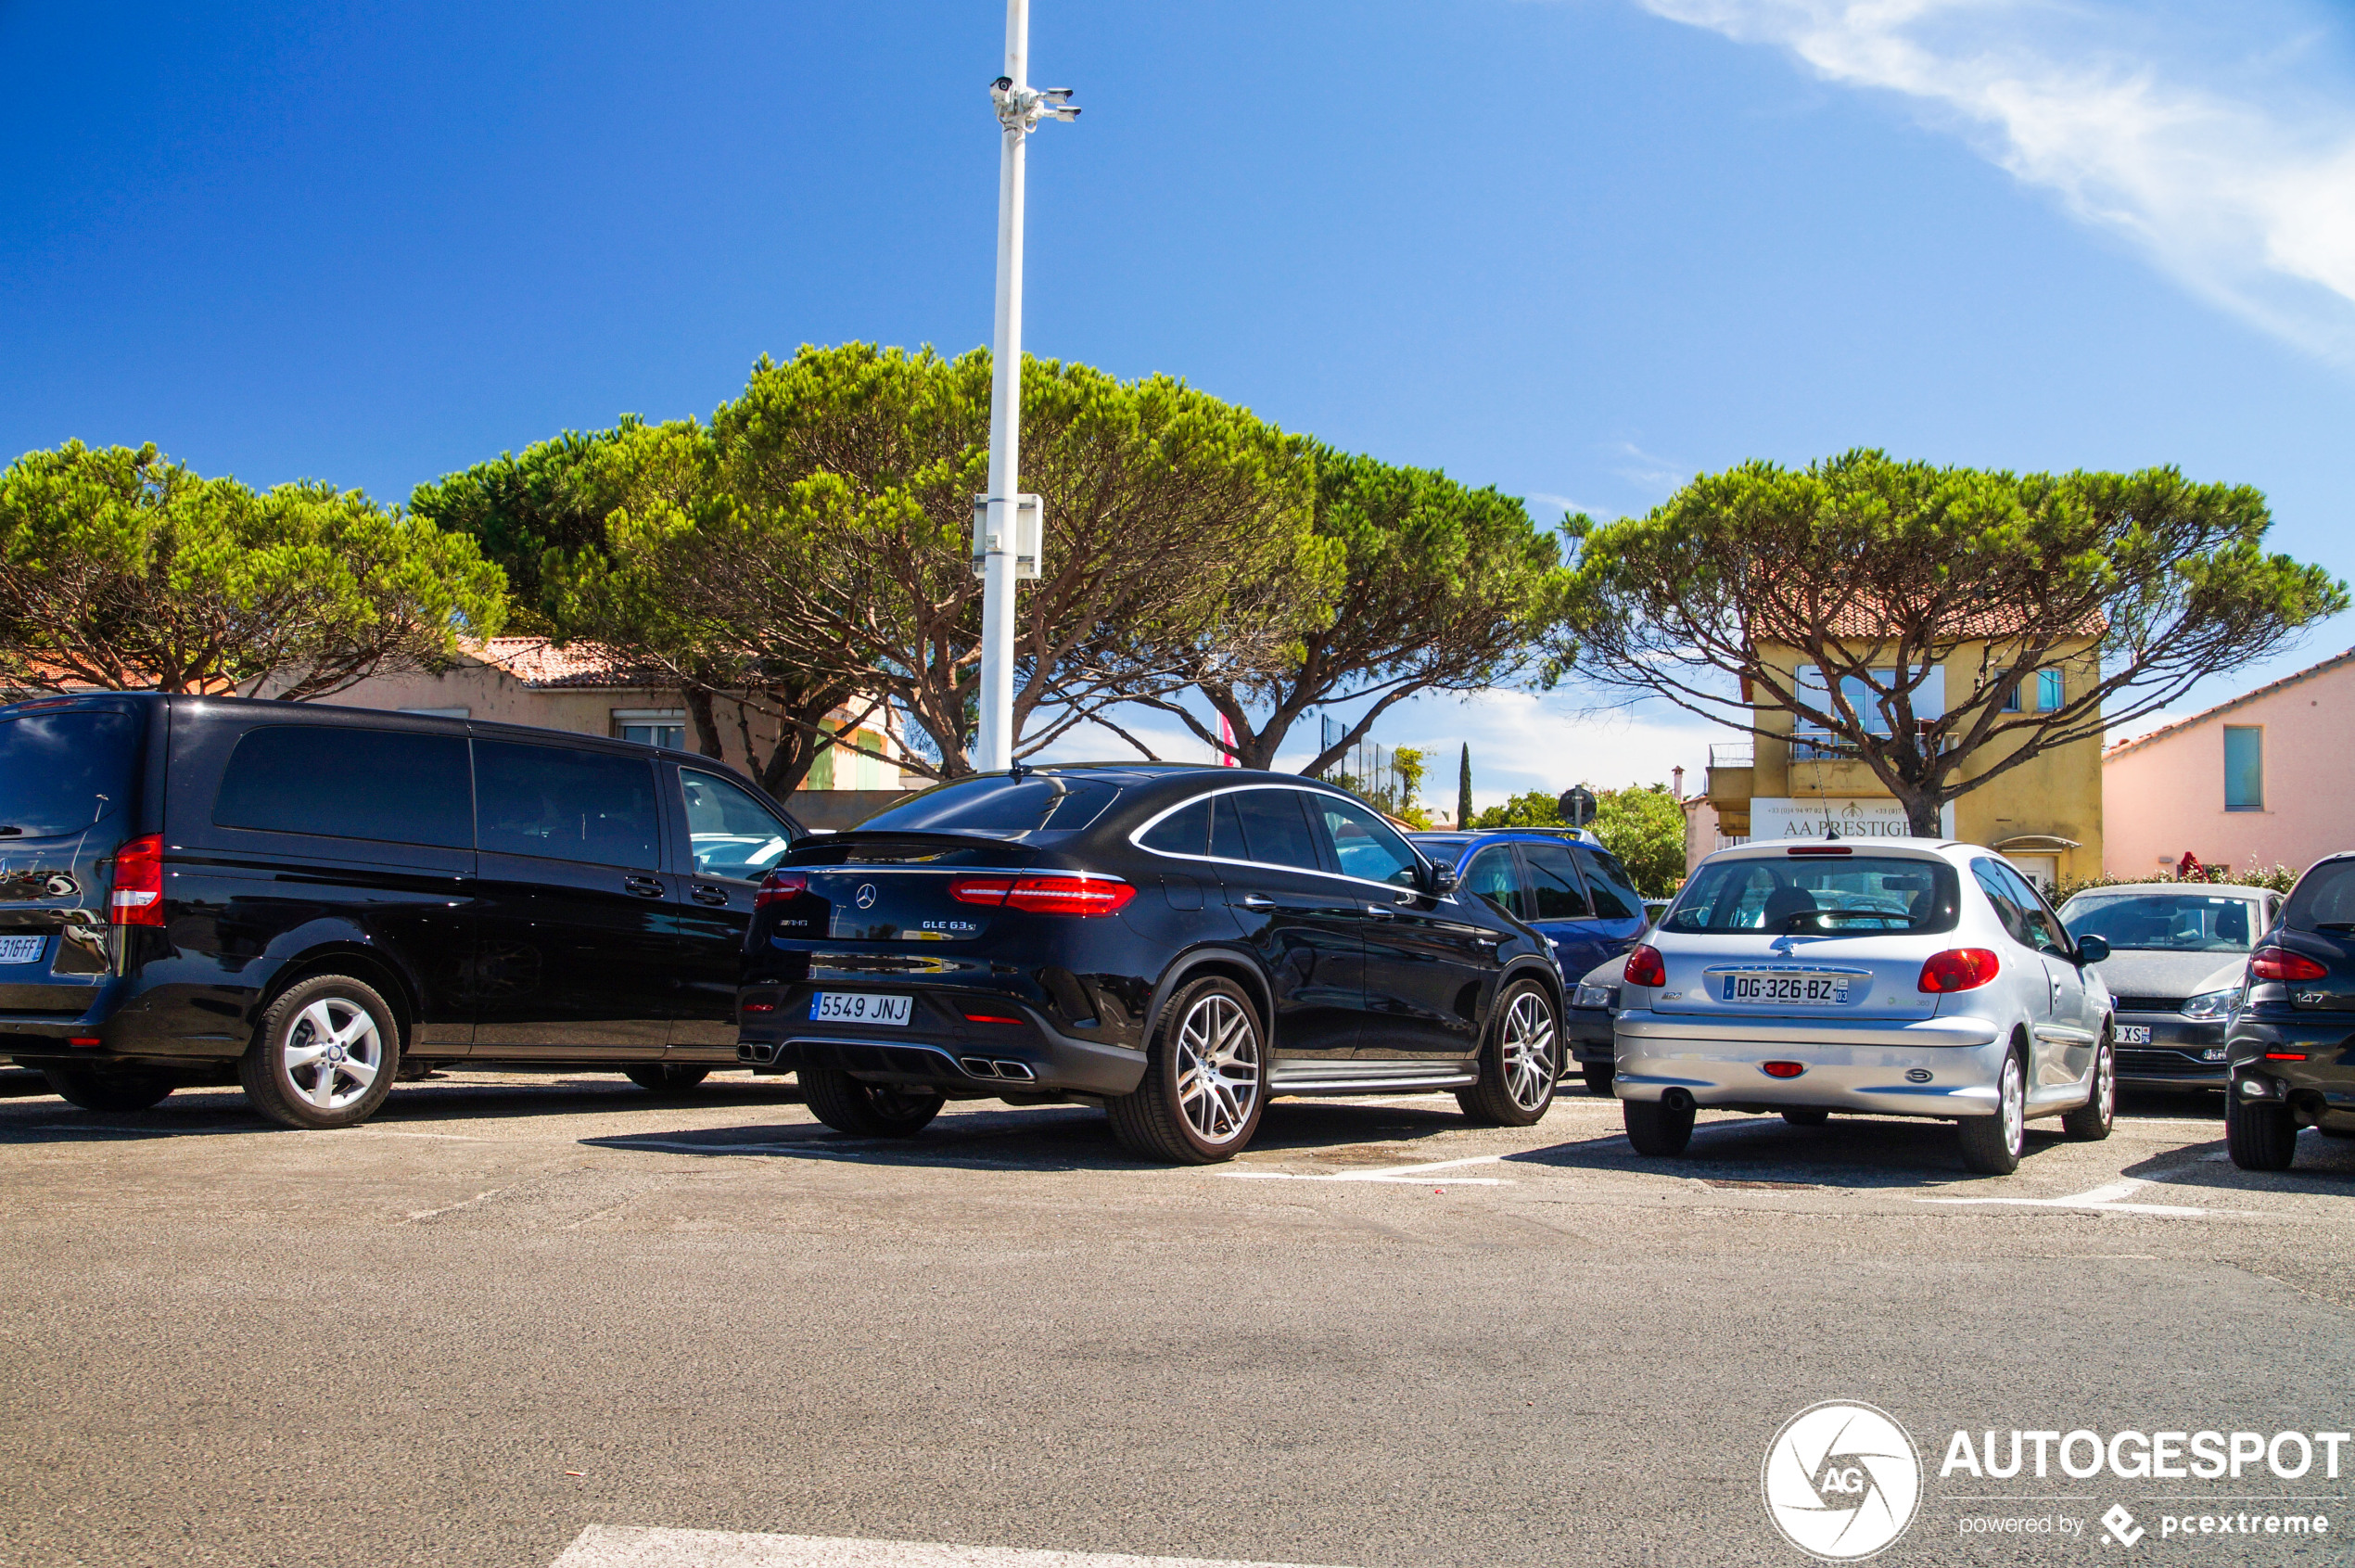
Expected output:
(1026, 1058)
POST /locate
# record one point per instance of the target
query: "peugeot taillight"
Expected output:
(1958, 969)
(1045, 895)
(2280, 963)
(137, 898)
(1646, 967)
(778, 886)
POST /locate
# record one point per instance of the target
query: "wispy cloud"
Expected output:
(1647, 470)
(2220, 140)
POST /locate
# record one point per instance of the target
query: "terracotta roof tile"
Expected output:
(539, 663)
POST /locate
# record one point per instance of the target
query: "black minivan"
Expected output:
(321, 900)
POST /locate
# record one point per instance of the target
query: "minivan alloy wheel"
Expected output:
(1218, 1068)
(334, 1053)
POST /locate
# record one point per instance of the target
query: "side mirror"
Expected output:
(1443, 878)
(2092, 949)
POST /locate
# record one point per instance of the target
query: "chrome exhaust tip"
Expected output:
(980, 1066)
(1016, 1070)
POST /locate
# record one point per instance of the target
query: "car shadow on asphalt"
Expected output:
(1767, 1151)
(2323, 1164)
(1070, 1137)
(456, 1098)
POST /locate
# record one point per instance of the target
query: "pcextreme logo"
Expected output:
(1842, 1481)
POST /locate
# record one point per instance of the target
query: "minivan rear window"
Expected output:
(1857, 895)
(2323, 899)
(1000, 807)
(338, 781)
(59, 773)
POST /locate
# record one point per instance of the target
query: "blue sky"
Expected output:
(1577, 249)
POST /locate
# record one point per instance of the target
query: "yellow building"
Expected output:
(2044, 816)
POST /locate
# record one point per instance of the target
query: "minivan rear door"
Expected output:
(68, 778)
(577, 936)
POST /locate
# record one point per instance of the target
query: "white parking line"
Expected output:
(2103, 1199)
(611, 1546)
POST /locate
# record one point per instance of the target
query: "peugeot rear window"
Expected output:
(59, 773)
(1000, 806)
(1852, 896)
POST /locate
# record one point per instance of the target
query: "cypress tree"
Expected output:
(1463, 789)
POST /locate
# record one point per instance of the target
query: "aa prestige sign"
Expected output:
(1772, 817)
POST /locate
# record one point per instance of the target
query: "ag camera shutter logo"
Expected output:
(1842, 1481)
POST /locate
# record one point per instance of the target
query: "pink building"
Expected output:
(2264, 777)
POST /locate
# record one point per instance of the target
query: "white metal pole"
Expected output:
(995, 742)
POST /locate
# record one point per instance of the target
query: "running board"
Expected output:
(1368, 1083)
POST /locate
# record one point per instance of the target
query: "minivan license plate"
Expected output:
(1787, 987)
(859, 1007)
(2133, 1034)
(21, 950)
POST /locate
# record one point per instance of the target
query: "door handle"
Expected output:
(644, 886)
(1253, 901)
(705, 893)
(1381, 914)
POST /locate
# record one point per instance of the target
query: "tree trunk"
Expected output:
(706, 722)
(1924, 814)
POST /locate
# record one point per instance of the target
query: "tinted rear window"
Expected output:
(1553, 881)
(998, 806)
(59, 773)
(339, 782)
(2323, 899)
(1275, 829)
(1614, 890)
(1850, 896)
(1185, 831)
(565, 804)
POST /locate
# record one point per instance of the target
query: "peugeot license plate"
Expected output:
(1786, 987)
(859, 1007)
(2133, 1034)
(21, 950)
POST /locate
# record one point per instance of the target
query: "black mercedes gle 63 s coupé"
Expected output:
(1175, 943)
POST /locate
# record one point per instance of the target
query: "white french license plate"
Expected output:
(21, 950)
(1786, 987)
(859, 1007)
(2133, 1034)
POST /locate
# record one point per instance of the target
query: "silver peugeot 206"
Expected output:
(1886, 977)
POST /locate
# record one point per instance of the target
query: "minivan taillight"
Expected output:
(778, 886)
(2280, 963)
(137, 898)
(1045, 895)
(1958, 969)
(1646, 967)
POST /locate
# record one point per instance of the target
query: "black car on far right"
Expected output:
(2292, 1043)
(1176, 943)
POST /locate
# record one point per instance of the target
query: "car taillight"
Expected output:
(1958, 969)
(137, 898)
(1645, 967)
(2280, 963)
(1045, 895)
(1782, 1069)
(778, 886)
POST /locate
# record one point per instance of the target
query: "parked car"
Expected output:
(2178, 952)
(1568, 888)
(316, 899)
(1593, 1021)
(1908, 978)
(2292, 1065)
(1175, 943)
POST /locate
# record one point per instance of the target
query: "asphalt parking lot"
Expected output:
(513, 1310)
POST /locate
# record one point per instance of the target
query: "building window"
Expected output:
(651, 726)
(2048, 690)
(2011, 696)
(2244, 768)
